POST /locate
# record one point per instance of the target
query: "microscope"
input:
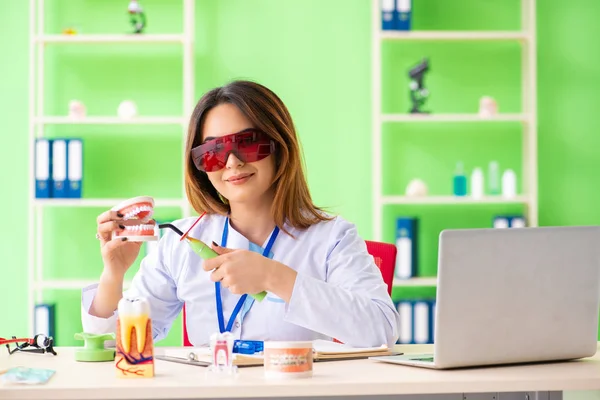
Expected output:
(418, 93)
(137, 18)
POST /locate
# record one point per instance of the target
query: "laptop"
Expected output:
(516, 295)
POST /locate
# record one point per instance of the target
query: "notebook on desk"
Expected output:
(518, 295)
(324, 350)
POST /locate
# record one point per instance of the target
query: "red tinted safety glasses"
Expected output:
(249, 146)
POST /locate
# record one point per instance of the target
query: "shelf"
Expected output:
(60, 120)
(100, 38)
(428, 281)
(103, 202)
(452, 118)
(453, 35)
(180, 39)
(452, 200)
(69, 284)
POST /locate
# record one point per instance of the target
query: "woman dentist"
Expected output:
(244, 171)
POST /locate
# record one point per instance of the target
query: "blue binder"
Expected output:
(406, 244)
(432, 307)
(421, 322)
(59, 168)
(387, 15)
(417, 321)
(500, 222)
(403, 15)
(517, 221)
(43, 170)
(74, 168)
(509, 221)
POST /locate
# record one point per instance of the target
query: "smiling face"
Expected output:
(238, 182)
(277, 180)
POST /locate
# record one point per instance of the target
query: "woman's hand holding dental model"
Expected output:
(121, 231)
(245, 271)
(118, 254)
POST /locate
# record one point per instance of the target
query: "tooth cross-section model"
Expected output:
(135, 348)
(137, 213)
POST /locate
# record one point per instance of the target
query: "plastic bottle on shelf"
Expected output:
(509, 184)
(477, 183)
(494, 178)
(460, 180)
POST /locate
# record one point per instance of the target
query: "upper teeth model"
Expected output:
(141, 207)
(133, 313)
(136, 212)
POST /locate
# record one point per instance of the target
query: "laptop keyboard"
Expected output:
(429, 359)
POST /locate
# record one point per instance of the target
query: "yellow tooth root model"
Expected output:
(135, 348)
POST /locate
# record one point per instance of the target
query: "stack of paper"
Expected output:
(325, 350)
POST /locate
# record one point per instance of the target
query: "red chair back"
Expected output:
(186, 340)
(384, 255)
(385, 258)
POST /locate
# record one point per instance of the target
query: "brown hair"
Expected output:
(267, 112)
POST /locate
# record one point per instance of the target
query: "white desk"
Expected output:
(368, 378)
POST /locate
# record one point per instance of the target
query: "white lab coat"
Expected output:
(339, 292)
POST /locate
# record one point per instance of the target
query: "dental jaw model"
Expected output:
(137, 212)
(135, 349)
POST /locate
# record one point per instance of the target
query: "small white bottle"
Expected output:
(509, 184)
(477, 183)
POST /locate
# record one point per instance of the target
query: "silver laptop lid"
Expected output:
(517, 295)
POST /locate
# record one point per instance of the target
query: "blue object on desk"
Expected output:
(248, 346)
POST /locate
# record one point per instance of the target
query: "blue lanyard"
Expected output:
(241, 301)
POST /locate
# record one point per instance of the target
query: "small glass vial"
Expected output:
(460, 180)
(494, 178)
